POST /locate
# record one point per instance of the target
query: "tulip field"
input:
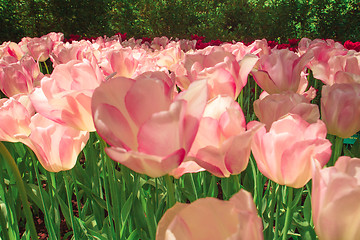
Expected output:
(116, 138)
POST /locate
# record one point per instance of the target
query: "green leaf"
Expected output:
(3, 216)
(307, 208)
(213, 190)
(33, 193)
(95, 197)
(134, 235)
(298, 196)
(305, 230)
(125, 211)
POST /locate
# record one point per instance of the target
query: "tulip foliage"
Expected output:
(126, 139)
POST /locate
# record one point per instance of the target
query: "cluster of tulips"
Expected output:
(165, 108)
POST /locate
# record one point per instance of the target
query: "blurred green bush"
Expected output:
(216, 19)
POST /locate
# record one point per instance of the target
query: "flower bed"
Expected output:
(179, 139)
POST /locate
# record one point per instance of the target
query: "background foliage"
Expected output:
(216, 19)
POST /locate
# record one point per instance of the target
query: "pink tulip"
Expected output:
(170, 58)
(281, 71)
(240, 50)
(159, 43)
(148, 130)
(329, 58)
(19, 77)
(305, 44)
(336, 66)
(24, 99)
(340, 108)
(14, 121)
(65, 96)
(65, 52)
(350, 71)
(222, 145)
(56, 146)
(284, 153)
(187, 45)
(335, 200)
(274, 106)
(187, 166)
(56, 37)
(11, 49)
(38, 48)
(224, 74)
(122, 61)
(212, 219)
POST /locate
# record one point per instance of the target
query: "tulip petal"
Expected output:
(142, 163)
(56, 146)
(160, 135)
(144, 98)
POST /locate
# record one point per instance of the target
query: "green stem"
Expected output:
(288, 217)
(156, 194)
(193, 186)
(76, 194)
(170, 190)
(273, 194)
(337, 149)
(48, 222)
(241, 99)
(46, 67)
(53, 200)
(278, 203)
(113, 191)
(71, 212)
(3, 224)
(106, 187)
(40, 67)
(256, 89)
(254, 174)
(204, 183)
(259, 188)
(21, 187)
(237, 184)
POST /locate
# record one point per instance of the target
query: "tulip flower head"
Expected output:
(335, 200)
(284, 153)
(148, 130)
(65, 96)
(222, 145)
(212, 219)
(14, 121)
(274, 106)
(281, 71)
(20, 76)
(340, 109)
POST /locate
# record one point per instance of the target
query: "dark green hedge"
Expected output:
(216, 19)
